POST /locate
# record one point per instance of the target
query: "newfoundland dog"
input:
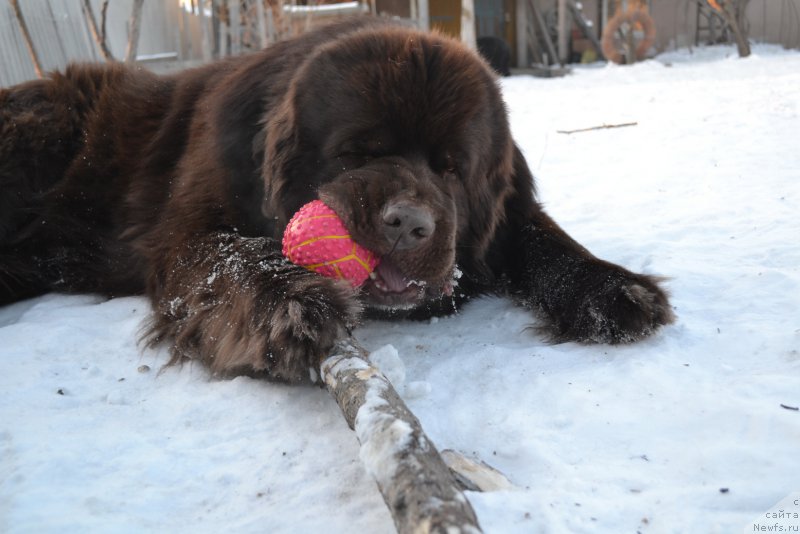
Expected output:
(118, 181)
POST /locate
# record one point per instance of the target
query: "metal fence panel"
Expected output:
(60, 34)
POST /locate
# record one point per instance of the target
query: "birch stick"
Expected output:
(416, 485)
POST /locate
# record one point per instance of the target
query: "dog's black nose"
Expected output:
(407, 225)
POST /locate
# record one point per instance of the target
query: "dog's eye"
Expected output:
(354, 158)
(448, 166)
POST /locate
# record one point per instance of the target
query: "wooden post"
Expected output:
(37, 65)
(416, 484)
(272, 30)
(522, 23)
(587, 30)
(563, 32)
(468, 24)
(261, 24)
(423, 13)
(551, 50)
(234, 28)
(206, 31)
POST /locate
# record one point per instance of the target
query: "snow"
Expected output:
(383, 437)
(683, 432)
(388, 360)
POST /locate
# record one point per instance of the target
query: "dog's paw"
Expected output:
(304, 319)
(240, 307)
(609, 304)
(626, 310)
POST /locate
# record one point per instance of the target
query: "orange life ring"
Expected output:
(632, 18)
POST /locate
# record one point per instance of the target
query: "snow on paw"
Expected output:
(305, 320)
(628, 307)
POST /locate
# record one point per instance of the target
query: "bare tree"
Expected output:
(99, 35)
(734, 13)
(37, 65)
(103, 18)
(133, 38)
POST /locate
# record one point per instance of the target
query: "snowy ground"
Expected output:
(681, 433)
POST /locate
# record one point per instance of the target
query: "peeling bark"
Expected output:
(416, 485)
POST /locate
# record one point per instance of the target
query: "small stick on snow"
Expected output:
(415, 483)
(601, 127)
(474, 475)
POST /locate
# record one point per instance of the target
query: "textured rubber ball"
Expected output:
(316, 239)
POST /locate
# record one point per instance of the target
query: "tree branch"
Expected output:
(103, 18)
(133, 38)
(734, 14)
(98, 35)
(37, 65)
(601, 127)
(416, 485)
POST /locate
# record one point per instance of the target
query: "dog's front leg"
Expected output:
(238, 305)
(581, 297)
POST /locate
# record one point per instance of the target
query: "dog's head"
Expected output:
(405, 135)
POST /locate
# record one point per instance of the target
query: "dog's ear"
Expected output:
(488, 194)
(499, 207)
(281, 153)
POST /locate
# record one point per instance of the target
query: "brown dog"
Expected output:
(118, 181)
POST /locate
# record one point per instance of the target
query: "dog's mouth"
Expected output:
(389, 288)
(406, 277)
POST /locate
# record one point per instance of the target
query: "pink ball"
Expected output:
(316, 239)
